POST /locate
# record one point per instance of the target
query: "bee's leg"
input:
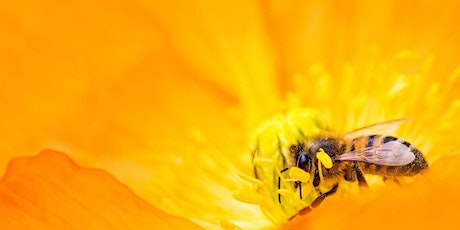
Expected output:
(321, 197)
(279, 184)
(349, 174)
(316, 178)
(359, 175)
(394, 179)
(317, 201)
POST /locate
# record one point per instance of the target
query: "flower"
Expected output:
(50, 191)
(166, 96)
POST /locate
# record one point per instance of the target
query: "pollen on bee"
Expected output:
(247, 196)
(324, 158)
(262, 161)
(298, 174)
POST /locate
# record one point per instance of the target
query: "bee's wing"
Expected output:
(378, 128)
(392, 153)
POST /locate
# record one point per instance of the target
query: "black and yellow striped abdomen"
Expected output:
(366, 144)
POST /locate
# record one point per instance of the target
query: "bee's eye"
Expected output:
(303, 162)
(301, 159)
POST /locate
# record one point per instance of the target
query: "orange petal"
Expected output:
(50, 191)
(430, 202)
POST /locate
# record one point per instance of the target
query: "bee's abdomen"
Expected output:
(416, 166)
(374, 141)
(364, 142)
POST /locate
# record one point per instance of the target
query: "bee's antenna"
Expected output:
(279, 184)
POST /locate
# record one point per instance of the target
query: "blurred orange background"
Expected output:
(127, 86)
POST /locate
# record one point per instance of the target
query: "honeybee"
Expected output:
(354, 154)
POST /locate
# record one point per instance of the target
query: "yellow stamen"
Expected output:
(262, 161)
(251, 179)
(398, 86)
(299, 174)
(285, 192)
(247, 196)
(431, 96)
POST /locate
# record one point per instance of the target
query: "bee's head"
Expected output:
(332, 146)
(303, 160)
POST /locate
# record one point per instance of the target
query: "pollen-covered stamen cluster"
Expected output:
(262, 192)
(259, 193)
(281, 193)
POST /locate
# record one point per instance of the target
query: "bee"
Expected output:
(354, 154)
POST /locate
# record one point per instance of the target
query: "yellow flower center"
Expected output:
(282, 193)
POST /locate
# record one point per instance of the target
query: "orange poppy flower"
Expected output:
(166, 97)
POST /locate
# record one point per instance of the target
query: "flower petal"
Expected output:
(50, 191)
